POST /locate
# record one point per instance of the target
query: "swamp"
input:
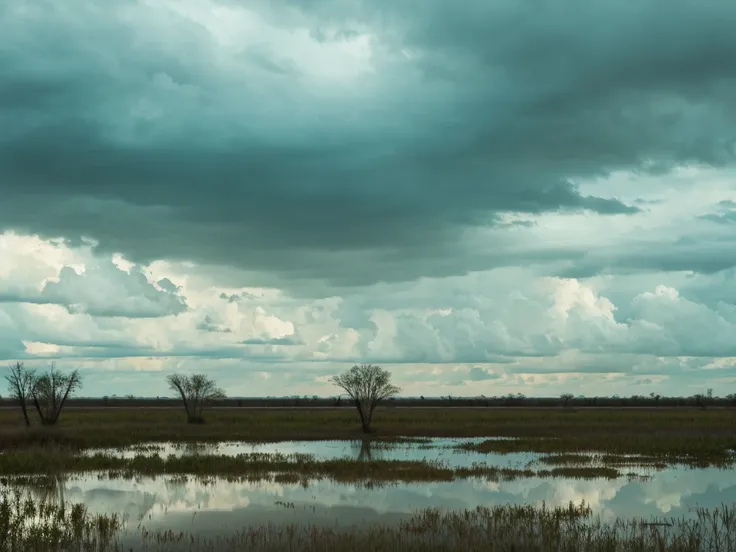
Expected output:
(422, 479)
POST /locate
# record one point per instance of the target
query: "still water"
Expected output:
(441, 450)
(218, 507)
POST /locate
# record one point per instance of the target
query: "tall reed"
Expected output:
(30, 526)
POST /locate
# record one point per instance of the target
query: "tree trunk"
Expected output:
(186, 408)
(365, 425)
(38, 409)
(24, 408)
(368, 420)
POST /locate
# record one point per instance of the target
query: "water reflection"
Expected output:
(221, 507)
(364, 453)
(443, 450)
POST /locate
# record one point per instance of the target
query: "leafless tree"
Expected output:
(367, 385)
(50, 391)
(566, 398)
(195, 390)
(20, 381)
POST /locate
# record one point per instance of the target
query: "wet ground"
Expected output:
(220, 507)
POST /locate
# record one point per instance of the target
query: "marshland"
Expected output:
(369, 475)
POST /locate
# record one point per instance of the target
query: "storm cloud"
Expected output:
(485, 197)
(287, 138)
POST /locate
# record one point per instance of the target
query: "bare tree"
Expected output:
(566, 398)
(195, 390)
(20, 381)
(367, 385)
(50, 391)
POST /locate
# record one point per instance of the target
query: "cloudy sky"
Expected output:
(484, 197)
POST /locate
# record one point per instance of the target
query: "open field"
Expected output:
(697, 435)
(515, 401)
(166, 492)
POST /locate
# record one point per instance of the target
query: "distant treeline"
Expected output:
(565, 401)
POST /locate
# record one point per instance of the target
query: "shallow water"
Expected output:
(217, 507)
(220, 507)
(437, 449)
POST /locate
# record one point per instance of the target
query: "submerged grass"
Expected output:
(44, 527)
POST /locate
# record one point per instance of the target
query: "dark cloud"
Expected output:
(126, 125)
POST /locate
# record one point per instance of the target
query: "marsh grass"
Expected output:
(646, 431)
(26, 526)
(284, 468)
(602, 460)
(586, 472)
(695, 451)
(501, 528)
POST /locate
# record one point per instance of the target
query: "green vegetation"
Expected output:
(45, 527)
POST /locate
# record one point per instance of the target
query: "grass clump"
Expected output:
(585, 472)
(497, 529)
(26, 525)
(253, 465)
(617, 449)
(573, 460)
(267, 466)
